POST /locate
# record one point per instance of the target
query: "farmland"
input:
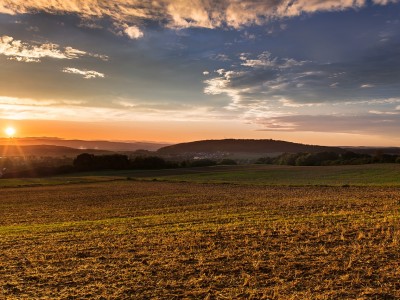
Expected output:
(211, 234)
(273, 175)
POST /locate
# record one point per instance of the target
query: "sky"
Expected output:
(312, 71)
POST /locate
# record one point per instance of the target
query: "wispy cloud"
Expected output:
(25, 101)
(378, 112)
(265, 79)
(374, 123)
(366, 86)
(290, 103)
(263, 60)
(25, 52)
(384, 2)
(118, 109)
(183, 14)
(15, 101)
(87, 74)
(219, 57)
(33, 28)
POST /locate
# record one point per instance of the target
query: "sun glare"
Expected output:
(10, 131)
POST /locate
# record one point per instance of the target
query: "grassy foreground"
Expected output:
(166, 240)
(358, 175)
(354, 175)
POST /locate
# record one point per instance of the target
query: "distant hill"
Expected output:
(243, 146)
(81, 144)
(45, 150)
(267, 147)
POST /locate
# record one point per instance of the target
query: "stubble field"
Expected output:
(130, 239)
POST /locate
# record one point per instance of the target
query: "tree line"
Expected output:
(86, 162)
(328, 159)
(89, 162)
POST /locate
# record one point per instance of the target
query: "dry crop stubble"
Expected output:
(142, 240)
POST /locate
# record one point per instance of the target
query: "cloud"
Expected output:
(220, 85)
(257, 81)
(263, 60)
(220, 57)
(290, 103)
(24, 52)
(365, 86)
(87, 74)
(62, 111)
(90, 25)
(33, 28)
(384, 2)
(249, 36)
(20, 51)
(72, 53)
(265, 79)
(295, 8)
(125, 104)
(182, 13)
(133, 32)
(15, 101)
(118, 109)
(378, 112)
(380, 124)
(25, 101)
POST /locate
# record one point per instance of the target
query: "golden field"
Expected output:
(130, 239)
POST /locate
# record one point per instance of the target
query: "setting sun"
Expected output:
(10, 131)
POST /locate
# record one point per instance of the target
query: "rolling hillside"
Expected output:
(81, 144)
(45, 150)
(243, 146)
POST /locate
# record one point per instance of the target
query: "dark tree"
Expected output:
(149, 162)
(203, 163)
(84, 162)
(228, 161)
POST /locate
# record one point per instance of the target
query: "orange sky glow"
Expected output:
(175, 132)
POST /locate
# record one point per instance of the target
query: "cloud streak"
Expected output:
(87, 74)
(15, 101)
(379, 124)
(121, 109)
(25, 52)
(182, 13)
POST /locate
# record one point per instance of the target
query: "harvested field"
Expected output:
(165, 240)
